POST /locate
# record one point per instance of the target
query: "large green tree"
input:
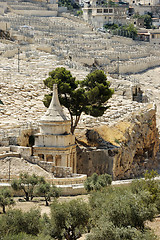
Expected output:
(15, 221)
(47, 191)
(26, 183)
(69, 219)
(88, 96)
(5, 198)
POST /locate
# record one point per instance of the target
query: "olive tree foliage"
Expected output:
(107, 230)
(5, 198)
(118, 213)
(26, 183)
(150, 184)
(69, 219)
(16, 221)
(88, 96)
(24, 236)
(47, 191)
(96, 182)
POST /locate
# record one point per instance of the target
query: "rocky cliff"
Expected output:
(124, 150)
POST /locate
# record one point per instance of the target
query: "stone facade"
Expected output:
(55, 143)
(98, 16)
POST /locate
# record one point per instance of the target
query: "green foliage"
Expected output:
(148, 184)
(117, 141)
(111, 26)
(5, 198)
(26, 183)
(24, 236)
(96, 182)
(68, 3)
(88, 96)
(118, 213)
(79, 13)
(128, 30)
(97, 93)
(69, 219)
(15, 222)
(109, 3)
(106, 230)
(147, 19)
(47, 191)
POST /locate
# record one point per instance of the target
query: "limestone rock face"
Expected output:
(138, 151)
(124, 150)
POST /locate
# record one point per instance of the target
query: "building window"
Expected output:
(152, 36)
(89, 11)
(99, 10)
(110, 10)
(41, 156)
(109, 17)
(105, 10)
(49, 158)
(58, 160)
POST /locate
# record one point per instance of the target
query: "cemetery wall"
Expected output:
(41, 13)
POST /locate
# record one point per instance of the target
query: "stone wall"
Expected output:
(125, 150)
(91, 160)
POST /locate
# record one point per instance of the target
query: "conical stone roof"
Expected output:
(55, 112)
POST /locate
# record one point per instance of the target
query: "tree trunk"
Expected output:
(47, 204)
(4, 210)
(32, 197)
(27, 196)
(74, 125)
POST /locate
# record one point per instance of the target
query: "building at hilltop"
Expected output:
(99, 14)
(55, 143)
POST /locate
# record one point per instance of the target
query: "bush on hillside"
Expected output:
(96, 182)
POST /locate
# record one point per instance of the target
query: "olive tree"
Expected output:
(5, 198)
(69, 219)
(26, 183)
(15, 221)
(47, 191)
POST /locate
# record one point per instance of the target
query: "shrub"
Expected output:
(107, 230)
(15, 222)
(148, 184)
(24, 236)
(118, 213)
(96, 182)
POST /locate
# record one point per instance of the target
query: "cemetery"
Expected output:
(41, 41)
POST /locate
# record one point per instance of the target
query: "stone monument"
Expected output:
(55, 143)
